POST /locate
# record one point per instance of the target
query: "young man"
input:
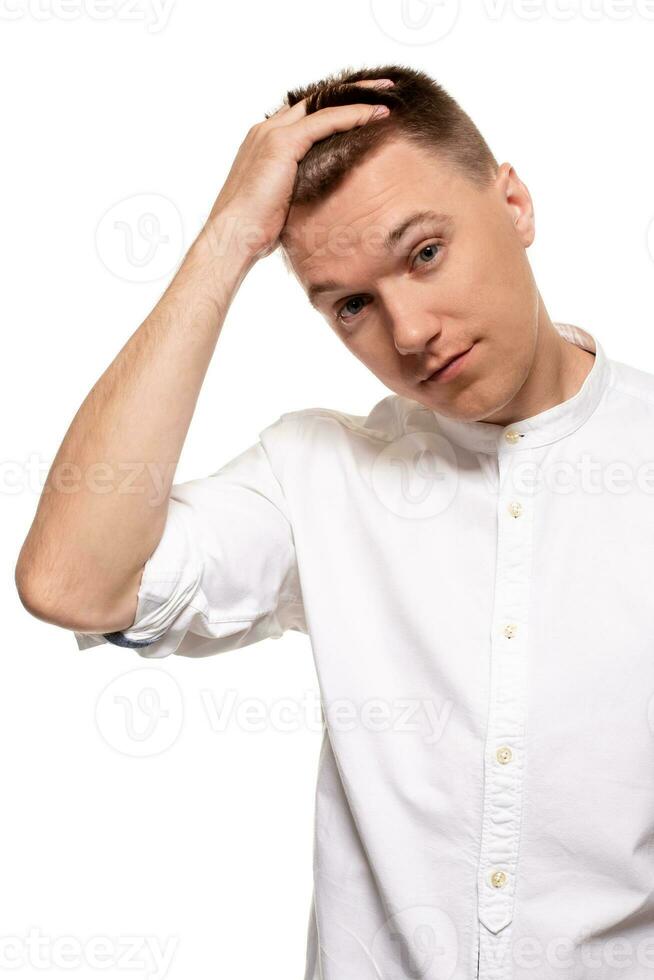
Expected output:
(471, 560)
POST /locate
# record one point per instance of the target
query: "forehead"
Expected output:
(361, 220)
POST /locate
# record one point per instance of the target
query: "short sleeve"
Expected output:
(224, 573)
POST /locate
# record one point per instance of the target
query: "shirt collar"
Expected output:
(548, 426)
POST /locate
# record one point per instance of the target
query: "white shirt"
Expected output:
(479, 603)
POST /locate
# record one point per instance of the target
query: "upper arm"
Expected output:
(224, 573)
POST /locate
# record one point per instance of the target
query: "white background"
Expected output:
(141, 819)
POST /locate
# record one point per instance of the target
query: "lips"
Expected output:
(445, 363)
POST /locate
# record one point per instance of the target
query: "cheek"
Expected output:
(374, 346)
(371, 347)
(497, 287)
(465, 281)
(492, 250)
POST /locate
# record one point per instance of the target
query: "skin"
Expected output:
(105, 501)
(82, 561)
(443, 287)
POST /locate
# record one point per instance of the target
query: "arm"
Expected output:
(82, 562)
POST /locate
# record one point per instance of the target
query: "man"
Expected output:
(471, 560)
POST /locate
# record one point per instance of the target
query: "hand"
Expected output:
(258, 189)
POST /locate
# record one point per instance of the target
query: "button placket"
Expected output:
(503, 769)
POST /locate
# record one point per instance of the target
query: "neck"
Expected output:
(557, 372)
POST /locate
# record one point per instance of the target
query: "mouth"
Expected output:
(450, 369)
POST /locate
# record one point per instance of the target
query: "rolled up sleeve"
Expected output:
(224, 573)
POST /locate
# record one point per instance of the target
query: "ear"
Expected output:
(516, 198)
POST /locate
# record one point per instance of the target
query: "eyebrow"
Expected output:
(390, 240)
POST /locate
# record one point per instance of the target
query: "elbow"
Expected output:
(72, 595)
(29, 594)
(38, 594)
(35, 594)
(44, 597)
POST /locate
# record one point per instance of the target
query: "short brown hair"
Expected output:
(422, 112)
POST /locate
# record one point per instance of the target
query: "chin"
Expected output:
(474, 402)
(465, 405)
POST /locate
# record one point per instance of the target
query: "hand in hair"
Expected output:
(259, 186)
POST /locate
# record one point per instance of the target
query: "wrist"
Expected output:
(215, 265)
(230, 239)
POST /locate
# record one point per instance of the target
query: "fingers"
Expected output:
(374, 82)
(337, 119)
(290, 114)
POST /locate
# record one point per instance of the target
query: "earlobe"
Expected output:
(524, 225)
(524, 219)
(530, 229)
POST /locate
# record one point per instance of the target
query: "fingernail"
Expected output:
(381, 110)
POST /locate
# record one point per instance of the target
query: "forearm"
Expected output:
(105, 500)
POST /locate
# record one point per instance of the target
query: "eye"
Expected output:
(345, 306)
(433, 248)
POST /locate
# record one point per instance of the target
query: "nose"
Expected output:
(410, 317)
(413, 331)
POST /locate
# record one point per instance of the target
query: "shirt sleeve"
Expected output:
(224, 573)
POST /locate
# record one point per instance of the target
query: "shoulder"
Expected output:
(385, 421)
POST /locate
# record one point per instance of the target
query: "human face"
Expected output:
(457, 280)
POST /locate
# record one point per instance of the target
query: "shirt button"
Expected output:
(504, 754)
(511, 435)
(510, 630)
(498, 879)
(515, 508)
